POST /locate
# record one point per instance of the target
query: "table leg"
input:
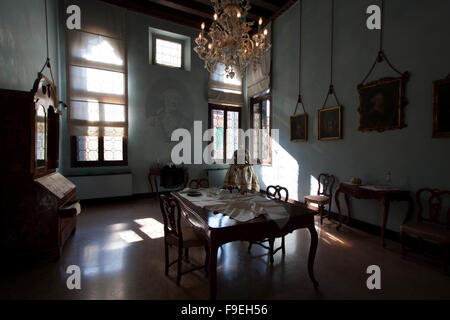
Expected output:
(385, 203)
(155, 180)
(336, 200)
(150, 182)
(348, 207)
(312, 254)
(212, 271)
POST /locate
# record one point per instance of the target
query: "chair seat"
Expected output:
(429, 231)
(190, 238)
(317, 199)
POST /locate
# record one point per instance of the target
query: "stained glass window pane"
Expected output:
(113, 148)
(87, 148)
(40, 136)
(218, 132)
(232, 132)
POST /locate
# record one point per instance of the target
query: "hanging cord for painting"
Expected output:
(47, 61)
(331, 90)
(381, 56)
(300, 99)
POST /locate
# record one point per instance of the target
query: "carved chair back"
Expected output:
(274, 192)
(326, 184)
(199, 183)
(171, 212)
(434, 206)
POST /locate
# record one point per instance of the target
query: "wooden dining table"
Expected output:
(217, 229)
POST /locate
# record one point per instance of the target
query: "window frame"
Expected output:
(165, 38)
(225, 109)
(101, 162)
(74, 163)
(259, 99)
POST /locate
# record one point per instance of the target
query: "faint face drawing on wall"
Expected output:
(168, 109)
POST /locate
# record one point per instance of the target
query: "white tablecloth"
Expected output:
(239, 207)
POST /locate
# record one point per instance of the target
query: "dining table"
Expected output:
(217, 229)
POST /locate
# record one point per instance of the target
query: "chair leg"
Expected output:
(180, 259)
(329, 208)
(186, 254)
(250, 246)
(402, 240)
(271, 241)
(283, 249)
(329, 212)
(166, 251)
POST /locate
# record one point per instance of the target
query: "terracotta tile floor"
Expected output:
(120, 252)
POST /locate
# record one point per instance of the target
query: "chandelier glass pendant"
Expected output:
(228, 40)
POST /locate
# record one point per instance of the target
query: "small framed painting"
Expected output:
(381, 104)
(330, 123)
(299, 127)
(441, 108)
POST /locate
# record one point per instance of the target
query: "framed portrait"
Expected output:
(441, 108)
(299, 127)
(330, 123)
(381, 104)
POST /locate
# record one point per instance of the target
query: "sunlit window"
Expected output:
(98, 110)
(101, 50)
(168, 53)
(261, 118)
(225, 124)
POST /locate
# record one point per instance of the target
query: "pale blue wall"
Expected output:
(416, 40)
(22, 42)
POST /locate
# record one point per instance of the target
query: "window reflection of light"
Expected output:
(116, 245)
(151, 227)
(105, 81)
(93, 111)
(283, 171)
(114, 113)
(91, 271)
(130, 236)
(101, 51)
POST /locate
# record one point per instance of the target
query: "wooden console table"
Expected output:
(383, 194)
(155, 173)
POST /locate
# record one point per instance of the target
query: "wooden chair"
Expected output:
(178, 236)
(435, 225)
(199, 183)
(273, 192)
(324, 194)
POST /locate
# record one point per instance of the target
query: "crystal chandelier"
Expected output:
(228, 40)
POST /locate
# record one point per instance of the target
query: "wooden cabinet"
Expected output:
(37, 204)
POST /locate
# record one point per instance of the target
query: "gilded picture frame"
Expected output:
(382, 104)
(330, 123)
(299, 127)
